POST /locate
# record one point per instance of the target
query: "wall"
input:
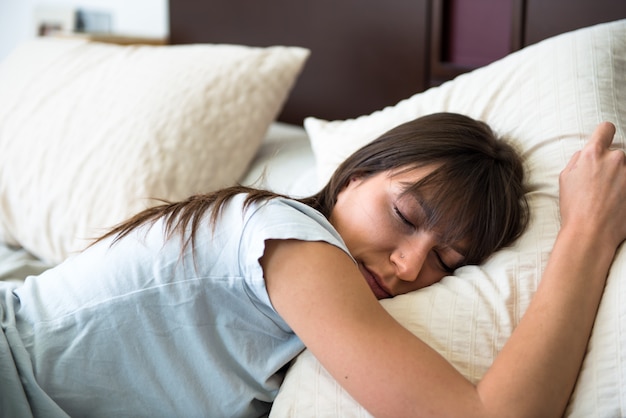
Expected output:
(146, 18)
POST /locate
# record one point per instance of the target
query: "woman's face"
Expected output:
(383, 231)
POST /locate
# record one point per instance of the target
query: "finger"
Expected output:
(572, 162)
(603, 134)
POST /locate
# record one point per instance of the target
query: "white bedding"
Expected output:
(284, 163)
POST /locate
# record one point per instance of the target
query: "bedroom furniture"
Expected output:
(518, 23)
(367, 54)
(91, 132)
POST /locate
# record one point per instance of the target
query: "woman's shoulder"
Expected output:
(284, 219)
(289, 219)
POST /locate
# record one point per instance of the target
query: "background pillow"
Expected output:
(547, 98)
(90, 133)
(284, 163)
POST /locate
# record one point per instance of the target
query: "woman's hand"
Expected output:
(593, 189)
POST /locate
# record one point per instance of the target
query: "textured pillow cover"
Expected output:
(548, 98)
(90, 133)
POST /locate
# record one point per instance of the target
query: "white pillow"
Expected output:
(284, 163)
(548, 98)
(90, 133)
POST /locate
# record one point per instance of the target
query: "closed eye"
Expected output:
(442, 263)
(402, 217)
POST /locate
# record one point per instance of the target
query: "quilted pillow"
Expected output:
(91, 133)
(547, 98)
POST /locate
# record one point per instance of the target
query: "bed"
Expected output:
(276, 95)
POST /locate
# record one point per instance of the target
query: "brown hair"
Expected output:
(475, 194)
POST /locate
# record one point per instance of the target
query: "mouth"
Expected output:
(374, 283)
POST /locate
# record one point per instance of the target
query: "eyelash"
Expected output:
(405, 221)
(403, 218)
(444, 266)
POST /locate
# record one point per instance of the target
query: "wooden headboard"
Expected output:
(367, 54)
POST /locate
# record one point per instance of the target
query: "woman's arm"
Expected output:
(550, 342)
(322, 295)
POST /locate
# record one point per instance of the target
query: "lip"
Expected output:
(375, 283)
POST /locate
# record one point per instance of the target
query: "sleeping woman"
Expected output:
(195, 308)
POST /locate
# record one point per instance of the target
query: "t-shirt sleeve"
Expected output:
(280, 219)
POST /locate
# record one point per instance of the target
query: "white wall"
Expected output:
(147, 18)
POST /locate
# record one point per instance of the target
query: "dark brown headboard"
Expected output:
(367, 54)
(505, 26)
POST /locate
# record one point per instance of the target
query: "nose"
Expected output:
(408, 267)
(410, 256)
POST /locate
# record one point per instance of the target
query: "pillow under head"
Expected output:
(547, 98)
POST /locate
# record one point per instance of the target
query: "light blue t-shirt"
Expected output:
(136, 329)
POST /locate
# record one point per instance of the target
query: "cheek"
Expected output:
(346, 219)
(354, 227)
(361, 229)
(430, 276)
(360, 218)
